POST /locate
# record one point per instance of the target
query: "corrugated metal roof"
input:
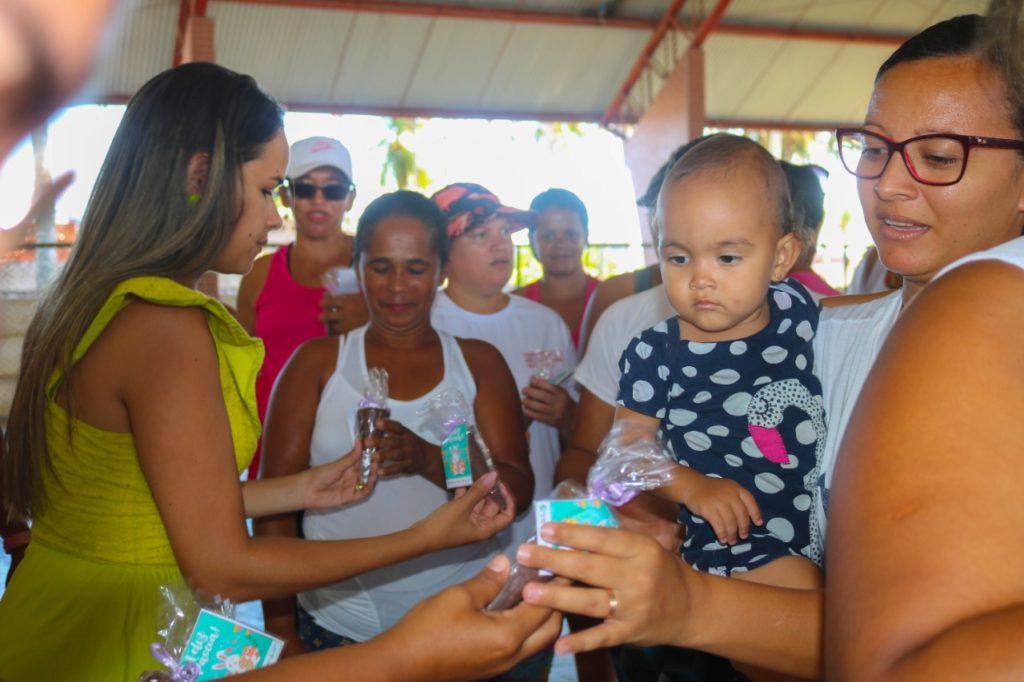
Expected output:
(406, 56)
(142, 45)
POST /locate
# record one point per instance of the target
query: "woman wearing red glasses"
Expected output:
(283, 300)
(924, 576)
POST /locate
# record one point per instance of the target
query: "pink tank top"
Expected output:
(532, 292)
(814, 282)
(286, 316)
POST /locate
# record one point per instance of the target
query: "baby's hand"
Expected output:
(726, 505)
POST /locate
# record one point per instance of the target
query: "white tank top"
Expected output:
(848, 341)
(1011, 252)
(364, 606)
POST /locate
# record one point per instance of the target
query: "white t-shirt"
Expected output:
(520, 326)
(364, 606)
(598, 371)
(849, 339)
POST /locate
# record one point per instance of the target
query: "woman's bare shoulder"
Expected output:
(144, 345)
(317, 357)
(985, 290)
(158, 325)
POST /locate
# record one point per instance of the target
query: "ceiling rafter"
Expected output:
(754, 124)
(670, 35)
(408, 112)
(436, 10)
(643, 61)
(710, 23)
(797, 33)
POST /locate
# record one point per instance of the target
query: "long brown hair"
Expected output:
(139, 221)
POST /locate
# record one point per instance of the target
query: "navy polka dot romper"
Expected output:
(749, 410)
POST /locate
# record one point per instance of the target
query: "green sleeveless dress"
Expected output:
(84, 603)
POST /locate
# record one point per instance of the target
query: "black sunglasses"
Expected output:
(307, 190)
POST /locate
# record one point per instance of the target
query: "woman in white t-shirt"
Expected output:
(400, 249)
(926, 207)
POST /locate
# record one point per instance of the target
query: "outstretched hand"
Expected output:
(335, 484)
(472, 516)
(489, 642)
(446, 638)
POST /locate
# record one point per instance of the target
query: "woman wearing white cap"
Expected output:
(283, 300)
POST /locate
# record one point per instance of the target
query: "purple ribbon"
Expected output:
(180, 672)
(614, 493)
(451, 423)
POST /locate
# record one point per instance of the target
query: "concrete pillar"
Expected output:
(46, 219)
(675, 116)
(197, 43)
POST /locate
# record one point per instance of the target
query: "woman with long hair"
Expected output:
(135, 406)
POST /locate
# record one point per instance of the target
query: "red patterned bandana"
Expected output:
(466, 205)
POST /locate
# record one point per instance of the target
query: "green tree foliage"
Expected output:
(556, 132)
(400, 161)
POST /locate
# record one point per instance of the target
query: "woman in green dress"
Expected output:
(135, 407)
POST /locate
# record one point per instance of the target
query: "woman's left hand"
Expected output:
(641, 593)
(335, 484)
(549, 403)
(401, 451)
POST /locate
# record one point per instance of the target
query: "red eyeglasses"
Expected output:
(939, 159)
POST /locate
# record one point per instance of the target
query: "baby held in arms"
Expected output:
(727, 383)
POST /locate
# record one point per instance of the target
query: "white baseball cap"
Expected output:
(315, 152)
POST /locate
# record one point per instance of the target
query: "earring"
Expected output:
(193, 199)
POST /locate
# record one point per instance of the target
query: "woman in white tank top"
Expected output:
(400, 247)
